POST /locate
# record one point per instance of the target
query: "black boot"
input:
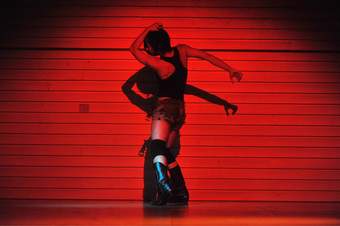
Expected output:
(164, 187)
(180, 193)
(159, 199)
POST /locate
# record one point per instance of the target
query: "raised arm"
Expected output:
(235, 75)
(160, 66)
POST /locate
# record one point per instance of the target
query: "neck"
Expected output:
(169, 53)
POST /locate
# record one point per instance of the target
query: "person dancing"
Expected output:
(168, 116)
(145, 80)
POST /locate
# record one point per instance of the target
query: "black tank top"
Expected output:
(174, 85)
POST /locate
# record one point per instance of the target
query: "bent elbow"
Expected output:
(124, 88)
(132, 50)
(127, 87)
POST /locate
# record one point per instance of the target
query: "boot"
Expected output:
(164, 190)
(180, 193)
(159, 199)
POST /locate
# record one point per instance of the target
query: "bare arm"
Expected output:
(192, 52)
(192, 90)
(160, 66)
(136, 99)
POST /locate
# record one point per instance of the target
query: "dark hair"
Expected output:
(158, 40)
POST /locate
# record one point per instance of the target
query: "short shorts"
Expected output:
(171, 110)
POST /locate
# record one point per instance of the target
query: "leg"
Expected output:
(160, 133)
(173, 135)
(181, 194)
(160, 129)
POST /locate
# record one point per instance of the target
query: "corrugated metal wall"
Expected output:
(68, 132)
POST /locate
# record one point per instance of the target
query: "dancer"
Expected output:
(145, 80)
(168, 116)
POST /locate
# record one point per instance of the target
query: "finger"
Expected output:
(235, 110)
(226, 110)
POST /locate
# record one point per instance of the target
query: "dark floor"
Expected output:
(76, 212)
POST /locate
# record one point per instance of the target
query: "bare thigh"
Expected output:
(172, 138)
(160, 129)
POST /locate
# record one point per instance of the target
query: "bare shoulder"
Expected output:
(192, 52)
(182, 47)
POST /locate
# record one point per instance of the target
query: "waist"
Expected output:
(170, 100)
(164, 98)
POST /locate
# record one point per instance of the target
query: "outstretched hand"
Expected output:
(235, 76)
(232, 107)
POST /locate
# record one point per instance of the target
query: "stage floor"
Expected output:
(77, 212)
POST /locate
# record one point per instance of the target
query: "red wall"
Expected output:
(283, 145)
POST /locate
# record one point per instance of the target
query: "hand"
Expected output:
(144, 148)
(155, 26)
(235, 76)
(233, 108)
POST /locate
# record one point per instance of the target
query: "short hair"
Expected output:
(158, 40)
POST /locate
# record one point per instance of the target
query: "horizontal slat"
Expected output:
(96, 183)
(200, 12)
(266, 195)
(98, 194)
(188, 129)
(227, 86)
(205, 119)
(310, 23)
(208, 140)
(192, 184)
(85, 43)
(177, 33)
(194, 65)
(201, 107)
(186, 150)
(132, 194)
(183, 3)
(199, 75)
(238, 98)
(211, 3)
(207, 163)
(193, 173)
(126, 55)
